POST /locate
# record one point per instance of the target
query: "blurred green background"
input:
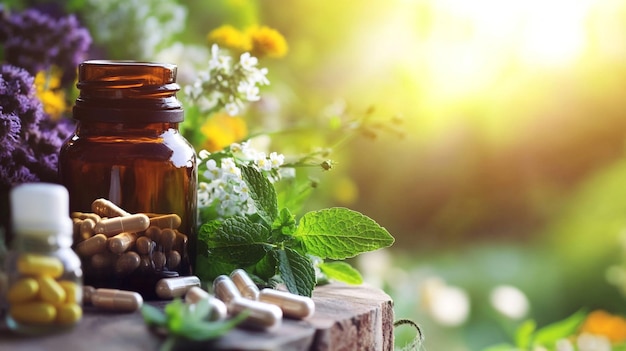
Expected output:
(508, 167)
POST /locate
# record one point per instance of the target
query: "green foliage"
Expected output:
(272, 243)
(185, 321)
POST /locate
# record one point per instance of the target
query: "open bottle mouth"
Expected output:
(124, 91)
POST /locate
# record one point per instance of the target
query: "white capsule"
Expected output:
(218, 308)
(225, 289)
(168, 288)
(292, 305)
(244, 284)
(261, 315)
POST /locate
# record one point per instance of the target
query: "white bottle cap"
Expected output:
(40, 208)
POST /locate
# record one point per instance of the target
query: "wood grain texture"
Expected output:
(346, 318)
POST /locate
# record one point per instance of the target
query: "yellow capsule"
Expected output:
(261, 315)
(106, 208)
(92, 246)
(117, 300)
(33, 264)
(131, 223)
(166, 221)
(244, 284)
(69, 313)
(121, 242)
(168, 288)
(33, 312)
(23, 290)
(73, 291)
(293, 306)
(50, 290)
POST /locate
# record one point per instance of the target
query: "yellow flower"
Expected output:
(221, 130)
(603, 323)
(267, 42)
(229, 37)
(49, 92)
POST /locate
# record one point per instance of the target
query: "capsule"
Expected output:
(32, 264)
(244, 284)
(218, 308)
(127, 262)
(116, 300)
(23, 290)
(92, 246)
(86, 228)
(159, 260)
(103, 260)
(225, 289)
(292, 305)
(144, 245)
(261, 315)
(83, 216)
(73, 292)
(131, 223)
(167, 239)
(172, 221)
(33, 312)
(88, 292)
(69, 313)
(50, 290)
(121, 242)
(173, 260)
(106, 208)
(168, 288)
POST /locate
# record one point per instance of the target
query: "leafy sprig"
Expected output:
(181, 321)
(272, 245)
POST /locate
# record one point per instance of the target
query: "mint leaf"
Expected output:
(296, 271)
(550, 334)
(266, 267)
(262, 193)
(208, 268)
(339, 233)
(238, 241)
(152, 315)
(285, 223)
(341, 271)
(524, 334)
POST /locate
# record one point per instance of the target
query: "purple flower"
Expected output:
(35, 41)
(29, 141)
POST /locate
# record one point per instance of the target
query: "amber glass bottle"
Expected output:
(125, 166)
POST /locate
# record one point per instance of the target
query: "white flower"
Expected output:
(250, 90)
(213, 172)
(509, 301)
(248, 61)
(564, 345)
(231, 108)
(589, 342)
(447, 305)
(203, 154)
(258, 76)
(276, 160)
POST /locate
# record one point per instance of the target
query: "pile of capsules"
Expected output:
(111, 239)
(232, 295)
(41, 295)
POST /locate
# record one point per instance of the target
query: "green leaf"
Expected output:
(339, 233)
(262, 192)
(296, 271)
(266, 267)
(524, 334)
(209, 268)
(285, 223)
(550, 334)
(152, 315)
(238, 241)
(341, 271)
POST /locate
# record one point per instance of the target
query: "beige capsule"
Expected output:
(167, 239)
(144, 245)
(225, 289)
(92, 246)
(132, 223)
(127, 262)
(173, 260)
(86, 228)
(171, 221)
(116, 300)
(85, 215)
(154, 233)
(106, 208)
(121, 242)
(292, 305)
(261, 315)
(103, 260)
(168, 288)
(88, 292)
(218, 307)
(244, 284)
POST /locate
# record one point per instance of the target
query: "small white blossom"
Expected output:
(564, 345)
(213, 172)
(590, 342)
(250, 91)
(231, 108)
(203, 154)
(248, 61)
(276, 159)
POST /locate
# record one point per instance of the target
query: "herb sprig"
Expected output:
(271, 244)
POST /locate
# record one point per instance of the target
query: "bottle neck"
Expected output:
(87, 128)
(42, 242)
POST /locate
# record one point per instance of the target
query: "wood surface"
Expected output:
(347, 317)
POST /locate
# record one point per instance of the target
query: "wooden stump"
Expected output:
(346, 318)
